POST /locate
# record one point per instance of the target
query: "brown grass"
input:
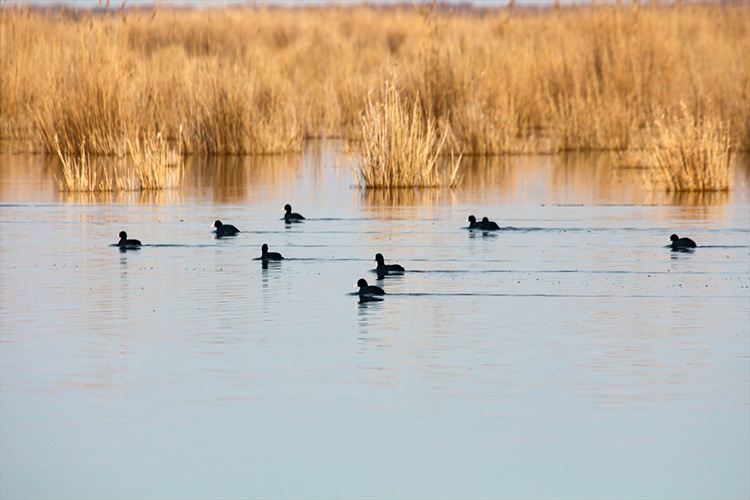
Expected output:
(153, 166)
(261, 80)
(81, 175)
(687, 153)
(399, 147)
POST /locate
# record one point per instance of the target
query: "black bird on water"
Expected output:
(365, 289)
(384, 268)
(485, 224)
(266, 255)
(126, 243)
(290, 216)
(488, 225)
(681, 243)
(225, 229)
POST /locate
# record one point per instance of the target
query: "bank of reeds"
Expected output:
(399, 148)
(153, 166)
(260, 80)
(689, 153)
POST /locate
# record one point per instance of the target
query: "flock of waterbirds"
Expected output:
(366, 291)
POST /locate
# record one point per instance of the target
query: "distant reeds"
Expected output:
(686, 153)
(399, 148)
(260, 80)
(153, 166)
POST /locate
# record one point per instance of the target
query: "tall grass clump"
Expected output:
(399, 148)
(687, 153)
(79, 174)
(153, 167)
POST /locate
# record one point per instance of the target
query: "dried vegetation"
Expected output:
(152, 166)
(262, 80)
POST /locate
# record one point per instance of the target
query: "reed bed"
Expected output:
(687, 153)
(153, 167)
(399, 148)
(260, 80)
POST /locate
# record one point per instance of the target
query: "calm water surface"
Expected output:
(569, 355)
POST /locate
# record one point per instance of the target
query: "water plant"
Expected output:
(79, 174)
(688, 153)
(153, 166)
(399, 147)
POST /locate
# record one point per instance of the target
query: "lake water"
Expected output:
(570, 354)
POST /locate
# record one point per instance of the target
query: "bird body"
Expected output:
(384, 268)
(365, 289)
(225, 229)
(125, 242)
(290, 216)
(488, 225)
(484, 225)
(266, 255)
(681, 243)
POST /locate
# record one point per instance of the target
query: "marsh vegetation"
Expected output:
(490, 82)
(151, 166)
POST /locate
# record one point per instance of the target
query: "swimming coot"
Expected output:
(290, 216)
(384, 268)
(125, 242)
(681, 243)
(365, 289)
(266, 255)
(488, 225)
(225, 229)
(473, 224)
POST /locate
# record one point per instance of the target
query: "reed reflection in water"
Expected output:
(569, 354)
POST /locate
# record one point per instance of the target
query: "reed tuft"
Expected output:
(686, 153)
(79, 174)
(153, 166)
(399, 147)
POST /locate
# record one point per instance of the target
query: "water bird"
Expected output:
(681, 243)
(384, 268)
(126, 243)
(365, 289)
(473, 224)
(225, 229)
(265, 255)
(290, 216)
(488, 225)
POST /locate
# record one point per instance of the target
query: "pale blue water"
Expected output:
(569, 355)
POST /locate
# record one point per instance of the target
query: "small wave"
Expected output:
(549, 295)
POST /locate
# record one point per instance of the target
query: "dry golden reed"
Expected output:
(260, 80)
(687, 153)
(399, 147)
(156, 167)
(80, 175)
(153, 167)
